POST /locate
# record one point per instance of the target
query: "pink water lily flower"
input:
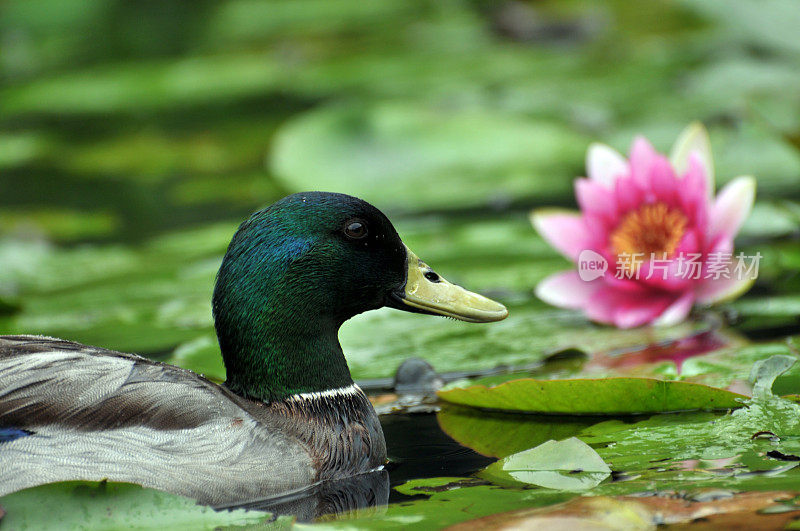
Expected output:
(651, 240)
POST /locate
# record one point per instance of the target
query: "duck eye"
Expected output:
(355, 229)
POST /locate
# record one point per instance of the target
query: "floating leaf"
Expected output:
(503, 434)
(144, 85)
(566, 465)
(387, 153)
(770, 311)
(58, 224)
(439, 502)
(771, 219)
(706, 449)
(90, 505)
(592, 397)
(731, 364)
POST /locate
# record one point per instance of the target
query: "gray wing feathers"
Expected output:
(42, 383)
(214, 466)
(98, 414)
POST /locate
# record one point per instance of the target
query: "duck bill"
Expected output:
(427, 292)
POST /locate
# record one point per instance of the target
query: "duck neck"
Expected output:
(286, 355)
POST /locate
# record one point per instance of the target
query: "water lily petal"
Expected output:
(722, 289)
(677, 311)
(566, 290)
(694, 195)
(629, 285)
(642, 158)
(693, 139)
(638, 313)
(604, 164)
(624, 309)
(665, 276)
(628, 195)
(690, 243)
(664, 186)
(732, 207)
(564, 230)
(597, 201)
(722, 244)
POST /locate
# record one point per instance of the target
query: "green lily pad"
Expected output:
(20, 149)
(746, 444)
(440, 502)
(593, 397)
(771, 219)
(570, 465)
(90, 505)
(503, 434)
(61, 225)
(386, 153)
(144, 85)
(747, 21)
(777, 306)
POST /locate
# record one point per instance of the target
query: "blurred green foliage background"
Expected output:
(136, 135)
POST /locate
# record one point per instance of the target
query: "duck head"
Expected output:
(295, 271)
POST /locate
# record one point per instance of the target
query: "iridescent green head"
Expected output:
(295, 271)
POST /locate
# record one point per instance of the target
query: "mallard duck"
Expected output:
(289, 414)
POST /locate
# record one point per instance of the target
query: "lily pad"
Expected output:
(386, 153)
(570, 465)
(90, 505)
(503, 434)
(593, 397)
(439, 502)
(61, 225)
(144, 85)
(671, 447)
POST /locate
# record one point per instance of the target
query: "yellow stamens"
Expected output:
(652, 228)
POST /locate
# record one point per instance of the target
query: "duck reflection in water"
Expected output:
(359, 496)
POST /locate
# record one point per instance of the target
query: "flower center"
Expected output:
(652, 228)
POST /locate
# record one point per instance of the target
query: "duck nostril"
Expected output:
(432, 276)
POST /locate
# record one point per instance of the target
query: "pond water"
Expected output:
(418, 448)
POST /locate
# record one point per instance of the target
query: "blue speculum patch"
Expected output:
(12, 434)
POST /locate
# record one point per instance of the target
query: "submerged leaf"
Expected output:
(567, 465)
(592, 397)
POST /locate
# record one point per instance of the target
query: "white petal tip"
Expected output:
(693, 139)
(733, 291)
(604, 164)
